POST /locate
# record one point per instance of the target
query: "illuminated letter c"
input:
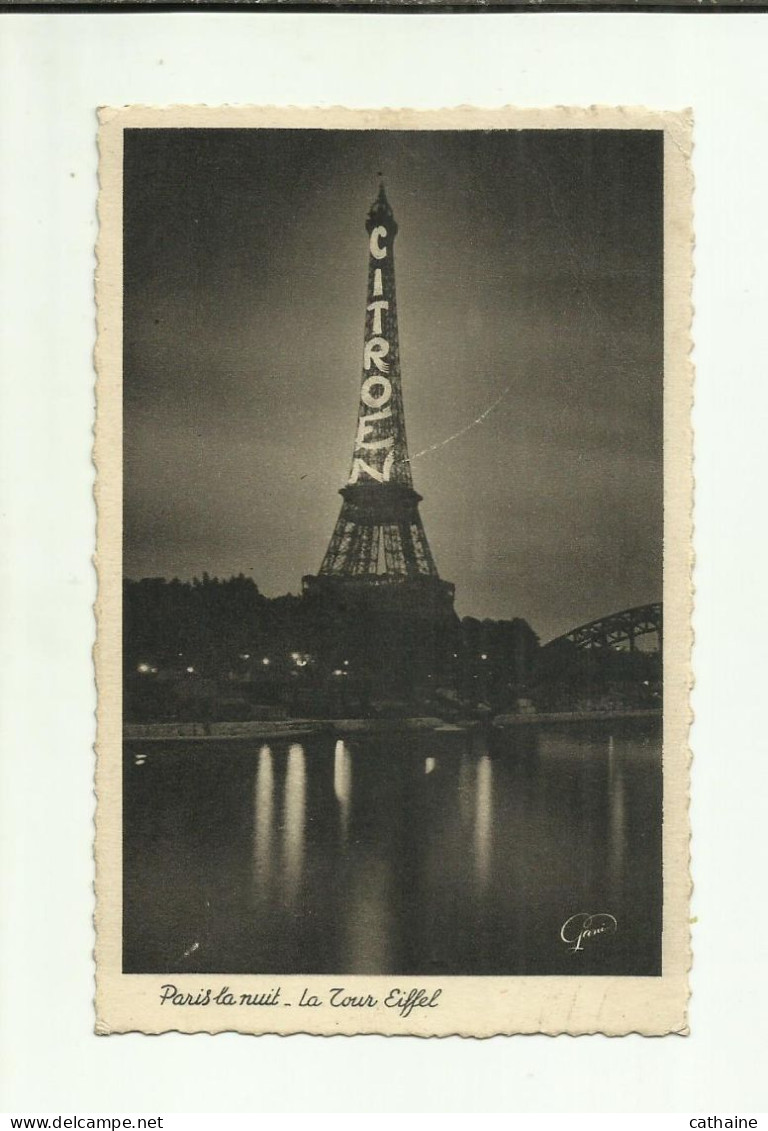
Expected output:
(377, 235)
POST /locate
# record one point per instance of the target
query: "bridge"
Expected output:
(617, 631)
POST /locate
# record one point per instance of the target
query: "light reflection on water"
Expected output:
(465, 789)
(342, 783)
(358, 856)
(483, 826)
(293, 822)
(262, 825)
(616, 811)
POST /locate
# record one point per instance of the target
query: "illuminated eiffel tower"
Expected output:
(379, 560)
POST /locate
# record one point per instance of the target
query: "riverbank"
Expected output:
(298, 728)
(282, 728)
(504, 721)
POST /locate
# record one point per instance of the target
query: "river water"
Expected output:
(434, 853)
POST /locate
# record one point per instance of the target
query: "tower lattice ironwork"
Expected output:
(379, 538)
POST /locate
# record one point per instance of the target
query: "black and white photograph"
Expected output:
(392, 555)
(382, 507)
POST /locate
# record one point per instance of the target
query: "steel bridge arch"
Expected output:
(617, 629)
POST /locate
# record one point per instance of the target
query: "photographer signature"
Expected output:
(581, 927)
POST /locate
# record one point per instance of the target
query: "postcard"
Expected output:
(394, 549)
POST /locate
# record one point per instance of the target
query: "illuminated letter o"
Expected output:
(367, 397)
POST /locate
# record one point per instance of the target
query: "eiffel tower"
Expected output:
(378, 562)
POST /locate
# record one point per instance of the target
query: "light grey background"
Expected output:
(54, 71)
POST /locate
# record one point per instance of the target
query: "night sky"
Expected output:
(529, 278)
